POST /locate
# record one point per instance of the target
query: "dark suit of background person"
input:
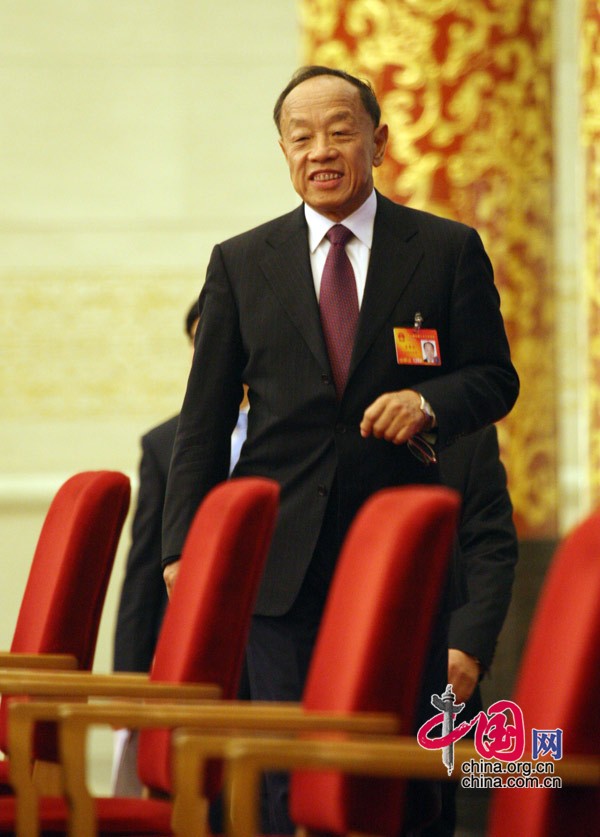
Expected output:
(484, 568)
(261, 325)
(484, 563)
(143, 594)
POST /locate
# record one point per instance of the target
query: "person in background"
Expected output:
(316, 312)
(483, 570)
(143, 595)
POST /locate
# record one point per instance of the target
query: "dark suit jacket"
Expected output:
(260, 324)
(487, 550)
(143, 594)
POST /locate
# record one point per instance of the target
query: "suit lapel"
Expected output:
(286, 266)
(395, 255)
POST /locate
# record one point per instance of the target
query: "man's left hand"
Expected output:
(394, 416)
(463, 673)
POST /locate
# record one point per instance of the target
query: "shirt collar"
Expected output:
(361, 223)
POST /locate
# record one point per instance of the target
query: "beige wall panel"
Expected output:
(135, 31)
(20, 528)
(93, 145)
(136, 126)
(236, 182)
(182, 248)
(120, 149)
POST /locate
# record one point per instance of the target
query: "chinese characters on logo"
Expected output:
(499, 732)
(546, 742)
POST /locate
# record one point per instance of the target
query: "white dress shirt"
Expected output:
(238, 437)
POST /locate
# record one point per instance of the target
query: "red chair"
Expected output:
(57, 625)
(206, 625)
(202, 640)
(375, 631)
(557, 687)
(373, 643)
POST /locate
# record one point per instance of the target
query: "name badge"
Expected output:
(417, 346)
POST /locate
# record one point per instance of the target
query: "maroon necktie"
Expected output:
(338, 303)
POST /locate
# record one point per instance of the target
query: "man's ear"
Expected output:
(381, 138)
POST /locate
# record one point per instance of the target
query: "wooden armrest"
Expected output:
(66, 685)
(210, 718)
(390, 756)
(11, 660)
(401, 757)
(225, 715)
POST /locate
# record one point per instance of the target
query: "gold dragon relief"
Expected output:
(466, 90)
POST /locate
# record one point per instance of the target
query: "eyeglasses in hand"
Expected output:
(422, 450)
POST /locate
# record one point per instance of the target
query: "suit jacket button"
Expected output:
(322, 491)
(325, 379)
(341, 428)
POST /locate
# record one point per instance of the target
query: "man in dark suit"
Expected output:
(329, 440)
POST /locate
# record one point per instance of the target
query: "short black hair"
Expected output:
(367, 94)
(190, 318)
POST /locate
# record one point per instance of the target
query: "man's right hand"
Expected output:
(170, 573)
(463, 672)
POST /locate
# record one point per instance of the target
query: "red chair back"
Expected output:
(373, 642)
(66, 587)
(558, 687)
(204, 633)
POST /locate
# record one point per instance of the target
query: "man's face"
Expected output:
(429, 351)
(331, 145)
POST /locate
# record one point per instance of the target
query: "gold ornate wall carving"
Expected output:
(591, 140)
(466, 90)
